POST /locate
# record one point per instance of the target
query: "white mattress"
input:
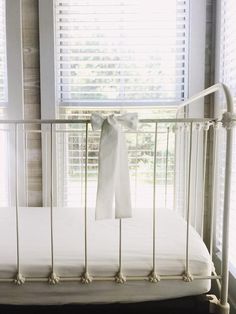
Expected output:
(102, 256)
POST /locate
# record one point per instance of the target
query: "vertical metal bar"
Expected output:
(51, 196)
(154, 201)
(196, 176)
(212, 218)
(136, 168)
(189, 198)
(64, 171)
(120, 245)
(186, 154)
(85, 200)
(181, 170)
(26, 168)
(176, 162)
(166, 161)
(205, 136)
(80, 165)
(17, 200)
(47, 188)
(226, 216)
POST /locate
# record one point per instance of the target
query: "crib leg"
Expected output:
(222, 309)
(216, 307)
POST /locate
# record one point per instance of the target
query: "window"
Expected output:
(114, 55)
(121, 51)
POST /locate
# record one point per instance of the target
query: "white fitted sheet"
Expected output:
(102, 256)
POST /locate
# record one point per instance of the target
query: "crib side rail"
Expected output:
(191, 132)
(227, 122)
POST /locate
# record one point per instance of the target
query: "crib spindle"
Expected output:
(187, 276)
(195, 204)
(176, 165)
(179, 166)
(153, 277)
(185, 167)
(166, 162)
(205, 136)
(214, 167)
(26, 168)
(17, 198)
(85, 199)
(51, 197)
(53, 278)
(19, 279)
(120, 278)
(86, 278)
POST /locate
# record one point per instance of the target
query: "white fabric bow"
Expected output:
(113, 170)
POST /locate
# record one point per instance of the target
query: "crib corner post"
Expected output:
(216, 307)
(222, 308)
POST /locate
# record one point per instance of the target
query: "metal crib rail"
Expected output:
(153, 277)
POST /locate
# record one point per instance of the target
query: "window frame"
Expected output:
(196, 65)
(197, 21)
(15, 91)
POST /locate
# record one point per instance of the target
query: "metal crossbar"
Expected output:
(183, 132)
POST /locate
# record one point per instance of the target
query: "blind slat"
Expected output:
(126, 38)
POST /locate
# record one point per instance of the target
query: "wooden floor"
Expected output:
(189, 305)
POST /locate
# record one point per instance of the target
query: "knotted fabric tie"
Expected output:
(113, 170)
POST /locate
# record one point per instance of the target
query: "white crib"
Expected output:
(69, 261)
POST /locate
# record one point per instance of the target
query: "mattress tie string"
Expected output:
(113, 170)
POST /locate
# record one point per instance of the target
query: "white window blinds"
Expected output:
(121, 50)
(227, 66)
(3, 79)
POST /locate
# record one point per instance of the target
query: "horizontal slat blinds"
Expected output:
(3, 81)
(121, 50)
(228, 76)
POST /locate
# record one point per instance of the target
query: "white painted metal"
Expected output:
(214, 88)
(166, 161)
(154, 201)
(111, 278)
(120, 278)
(85, 201)
(206, 128)
(51, 198)
(187, 272)
(214, 164)
(229, 148)
(196, 175)
(17, 201)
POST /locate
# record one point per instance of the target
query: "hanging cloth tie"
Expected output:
(113, 170)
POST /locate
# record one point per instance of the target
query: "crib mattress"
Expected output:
(103, 241)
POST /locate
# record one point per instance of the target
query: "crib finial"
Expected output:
(86, 278)
(53, 279)
(228, 120)
(19, 280)
(187, 277)
(120, 278)
(153, 277)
